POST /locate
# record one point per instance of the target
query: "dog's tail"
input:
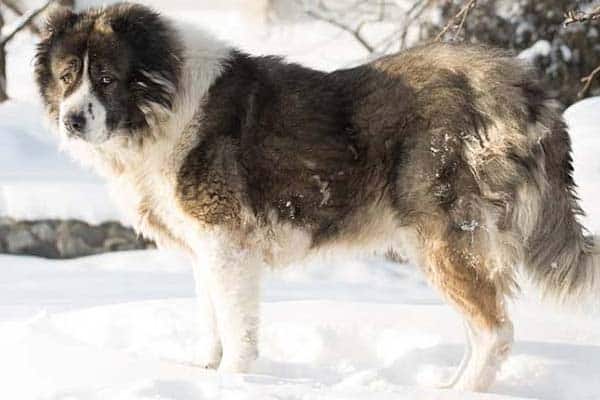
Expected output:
(561, 258)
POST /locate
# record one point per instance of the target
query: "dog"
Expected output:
(453, 155)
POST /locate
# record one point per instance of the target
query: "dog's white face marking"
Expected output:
(81, 114)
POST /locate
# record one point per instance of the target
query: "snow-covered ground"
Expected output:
(124, 326)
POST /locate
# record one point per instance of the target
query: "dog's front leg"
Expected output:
(233, 279)
(211, 350)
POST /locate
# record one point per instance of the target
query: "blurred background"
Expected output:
(51, 207)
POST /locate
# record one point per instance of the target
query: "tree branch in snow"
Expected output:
(3, 95)
(13, 6)
(457, 22)
(587, 81)
(357, 15)
(22, 22)
(413, 14)
(356, 32)
(573, 16)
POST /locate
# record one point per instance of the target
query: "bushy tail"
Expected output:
(561, 258)
(566, 269)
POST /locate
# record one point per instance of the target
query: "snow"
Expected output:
(541, 48)
(583, 119)
(566, 52)
(124, 326)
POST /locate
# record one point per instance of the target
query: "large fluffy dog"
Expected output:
(452, 154)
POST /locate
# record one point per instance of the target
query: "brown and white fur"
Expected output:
(451, 154)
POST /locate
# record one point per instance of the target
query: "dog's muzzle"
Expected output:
(75, 124)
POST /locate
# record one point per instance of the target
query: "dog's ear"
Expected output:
(58, 22)
(147, 34)
(134, 21)
(146, 31)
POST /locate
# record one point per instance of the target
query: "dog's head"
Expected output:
(108, 72)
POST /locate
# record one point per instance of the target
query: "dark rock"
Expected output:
(4, 229)
(4, 221)
(44, 231)
(43, 249)
(18, 239)
(92, 236)
(70, 247)
(66, 238)
(119, 244)
(116, 229)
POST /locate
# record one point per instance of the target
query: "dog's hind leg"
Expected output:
(490, 347)
(466, 358)
(461, 277)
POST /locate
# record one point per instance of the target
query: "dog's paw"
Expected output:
(210, 365)
(209, 358)
(239, 362)
(234, 366)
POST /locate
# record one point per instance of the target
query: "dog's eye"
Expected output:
(106, 80)
(67, 78)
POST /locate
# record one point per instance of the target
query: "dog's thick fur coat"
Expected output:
(453, 155)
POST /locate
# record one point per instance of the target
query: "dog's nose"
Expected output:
(75, 123)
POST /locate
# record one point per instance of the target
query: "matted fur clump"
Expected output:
(451, 155)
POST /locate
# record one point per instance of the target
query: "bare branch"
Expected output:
(587, 81)
(346, 9)
(3, 95)
(13, 6)
(356, 15)
(22, 22)
(381, 10)
(573, 16)
(452, 24)
(356, 32)
(411, 15)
